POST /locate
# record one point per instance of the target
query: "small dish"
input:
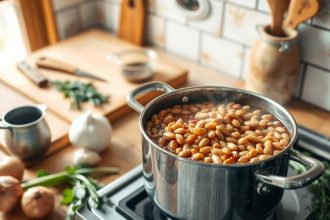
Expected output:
(135, 65)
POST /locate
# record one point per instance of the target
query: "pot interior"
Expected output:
(219, 95)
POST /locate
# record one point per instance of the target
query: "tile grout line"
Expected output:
(79, 17)
(247, 8)
(316, 66)
(199, 49)
(302, 80)
(256, 5)
(244, 60)
(165, 34)
(319, 27)
(67, 8)
(222, 27)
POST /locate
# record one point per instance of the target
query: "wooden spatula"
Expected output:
(300, 11)
(278, 8)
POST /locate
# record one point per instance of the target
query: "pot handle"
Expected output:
(147, 87)
(315, 170)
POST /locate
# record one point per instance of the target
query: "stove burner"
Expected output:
(137, 206)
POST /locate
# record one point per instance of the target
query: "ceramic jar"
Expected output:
(273, 65)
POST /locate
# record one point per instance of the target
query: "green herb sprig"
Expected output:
(80, 92)
(84, 187)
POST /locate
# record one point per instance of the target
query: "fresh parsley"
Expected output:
(80, 92)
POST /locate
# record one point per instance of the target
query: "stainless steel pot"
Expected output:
(186, 189)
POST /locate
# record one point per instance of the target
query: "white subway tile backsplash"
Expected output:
(110, 1)
(87, 14)
(246, 3)
(221, 41)
(182, 40)
(156, 30)
(101, 13)
(263, 6)
(212, 23)
(59, 4)
(68, 23)
(151, 5)
(299, 80)
(107, 14)
(316, 87)
(221, 54)
(169, 10)
(240, 24)
(246, 63)
(323, 17)
(315, 45)
(113, 11)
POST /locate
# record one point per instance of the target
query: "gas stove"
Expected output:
(128, 198)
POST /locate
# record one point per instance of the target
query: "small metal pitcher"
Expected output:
(26, 132)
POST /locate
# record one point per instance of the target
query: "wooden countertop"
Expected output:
(125, 149)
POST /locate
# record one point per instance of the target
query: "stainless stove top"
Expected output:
(128, 200)
(127, 194)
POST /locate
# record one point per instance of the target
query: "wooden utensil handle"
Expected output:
(53, 64)
(36, 77)
(278, 9)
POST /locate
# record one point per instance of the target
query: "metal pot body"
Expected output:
(186, 189)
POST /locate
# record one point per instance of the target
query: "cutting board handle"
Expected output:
(131, 3)
(132, 21)
(53, 64)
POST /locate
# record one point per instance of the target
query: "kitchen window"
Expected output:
(12, 45)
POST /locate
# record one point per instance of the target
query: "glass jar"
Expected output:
(273, 65)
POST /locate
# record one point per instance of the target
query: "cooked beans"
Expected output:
(179, 139)
(197, 156)
(220, 134)
(216, 159)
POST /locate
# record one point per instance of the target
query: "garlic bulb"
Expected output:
(84, 156)
(90, 130)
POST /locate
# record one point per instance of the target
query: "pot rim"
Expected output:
(287, 149)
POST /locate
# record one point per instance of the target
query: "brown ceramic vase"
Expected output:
(273, 65)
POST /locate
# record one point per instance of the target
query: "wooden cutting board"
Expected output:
(88, 51)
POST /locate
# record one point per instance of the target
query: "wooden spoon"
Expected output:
(278, 8)
(300, 11)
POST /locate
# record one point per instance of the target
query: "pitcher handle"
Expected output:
(147, 87)
(315, 170)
